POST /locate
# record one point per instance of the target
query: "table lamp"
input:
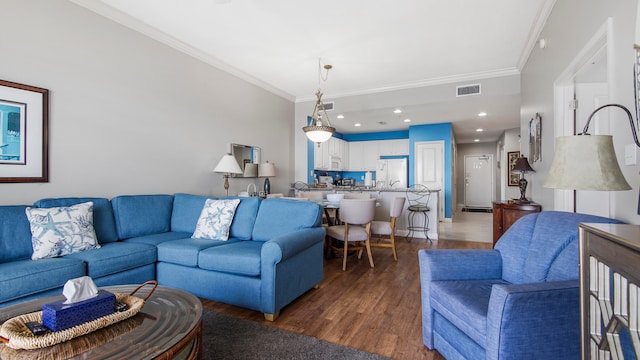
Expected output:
(522, 165)
(265, 170)
(227, 165)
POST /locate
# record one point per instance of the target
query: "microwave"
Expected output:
(348, 182)
(335, 163)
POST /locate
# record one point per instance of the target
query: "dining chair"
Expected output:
(418, 197)
(356, 216)
(356, 195)
(311, 195)
(380, 228)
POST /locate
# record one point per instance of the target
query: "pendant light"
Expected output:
(319, 128)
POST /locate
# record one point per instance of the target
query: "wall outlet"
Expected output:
(630, 154)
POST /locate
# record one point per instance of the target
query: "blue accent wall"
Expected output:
(434, 132)
(387, 135)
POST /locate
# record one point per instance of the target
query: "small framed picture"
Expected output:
(512, 177)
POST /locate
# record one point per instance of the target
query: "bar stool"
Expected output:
(418, 197)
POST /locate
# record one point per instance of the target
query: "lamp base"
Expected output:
(267, 186)
(523, 189)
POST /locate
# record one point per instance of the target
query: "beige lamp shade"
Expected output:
(586, 162)
(228, 165)
(250, 170)
(267, 169)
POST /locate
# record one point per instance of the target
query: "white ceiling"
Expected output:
(385, 54)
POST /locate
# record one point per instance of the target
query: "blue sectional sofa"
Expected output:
(518, 301)
(273, 254)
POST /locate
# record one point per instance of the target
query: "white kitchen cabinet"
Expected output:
(393, 147)
(356, 156)
(333, 148)
(371, 155)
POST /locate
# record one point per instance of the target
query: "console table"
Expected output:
(506, 212)
(169, 326)
(610, 290)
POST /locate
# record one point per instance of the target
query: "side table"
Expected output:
(169, 326)
(506, 212)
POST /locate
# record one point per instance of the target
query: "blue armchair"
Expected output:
(520, 300)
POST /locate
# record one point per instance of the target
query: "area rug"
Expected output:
(226, 337)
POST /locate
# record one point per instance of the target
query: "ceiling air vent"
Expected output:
(328, 106)
(465, 90)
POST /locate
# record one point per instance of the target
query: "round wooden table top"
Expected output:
(168, 326)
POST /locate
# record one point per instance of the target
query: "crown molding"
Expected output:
(420, 83)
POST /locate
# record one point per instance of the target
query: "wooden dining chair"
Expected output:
(380, 228)
(356, 216)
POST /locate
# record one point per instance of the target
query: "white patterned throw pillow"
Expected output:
(61, 231)
(215, 219)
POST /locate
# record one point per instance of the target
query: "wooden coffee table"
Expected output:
(169, 326)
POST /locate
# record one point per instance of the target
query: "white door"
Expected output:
(478, 181)
(586, 81)
(429, 168)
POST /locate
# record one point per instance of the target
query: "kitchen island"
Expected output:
(385, 198)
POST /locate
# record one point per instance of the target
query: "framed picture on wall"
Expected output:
(24, 112)
(535, 139)
(512, 177)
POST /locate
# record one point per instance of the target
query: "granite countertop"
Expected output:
(360, 188)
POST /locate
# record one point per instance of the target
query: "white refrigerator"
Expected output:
(392, 173)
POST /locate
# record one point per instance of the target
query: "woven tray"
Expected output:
(16, 335)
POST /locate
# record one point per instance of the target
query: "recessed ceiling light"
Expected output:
(407, 120)
(397, 111)
(356, 124)
(482, 114)
(340, 116)
(479, 130)
(476, 140)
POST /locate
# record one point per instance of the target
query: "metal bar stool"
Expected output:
(418, 197)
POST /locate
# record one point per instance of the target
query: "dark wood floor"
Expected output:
(376, 310)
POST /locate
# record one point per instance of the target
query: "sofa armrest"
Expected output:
(288, 245)
(438, 265)
(460, 264)
(534, 321)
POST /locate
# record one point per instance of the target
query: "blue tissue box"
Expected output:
(59, 316)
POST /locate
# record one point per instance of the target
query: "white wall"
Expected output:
(567, 30)
(130, 115)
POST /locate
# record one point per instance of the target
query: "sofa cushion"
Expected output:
(215, 219)
(61, 231)
(103, 221)
(185, 251)
(115, 257)
(15, 234)
(241, 258)
(26, 277)
(465, 304)
(281, 216)
(186, 211)
(155, 239)
(245, 217)
(138, 215)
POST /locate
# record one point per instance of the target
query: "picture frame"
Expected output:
(24, 119)
(535, 139)
(513, 178)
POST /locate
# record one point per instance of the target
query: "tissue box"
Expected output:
(59, 316)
